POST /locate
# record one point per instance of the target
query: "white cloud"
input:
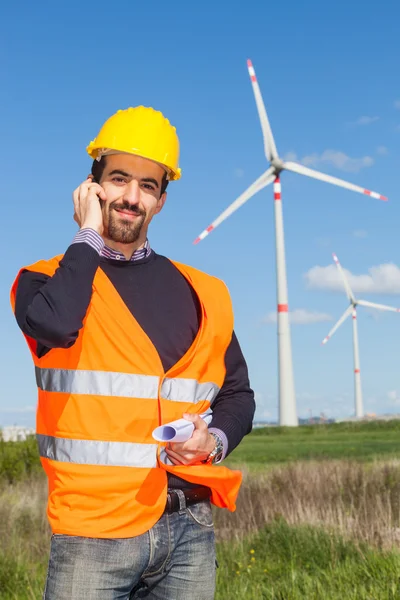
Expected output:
(300, 316)
(382, 279)
(397, 104)
(382, 150)
(360, 233)
(238, 172)
(290, 156)
(365, 120)
(394, 397)
(339, 160)
(270, 318)
(335, 158)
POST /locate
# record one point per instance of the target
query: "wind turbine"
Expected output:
(287, 399)
(352, 310)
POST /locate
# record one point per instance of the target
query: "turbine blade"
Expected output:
(346, 284)
(265, 179)
(296, 168)
(269, 142)
(378, 306)
(342, 319)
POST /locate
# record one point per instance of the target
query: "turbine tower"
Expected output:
(287, 398)
(352, 310)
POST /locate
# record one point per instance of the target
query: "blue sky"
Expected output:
(329, 77)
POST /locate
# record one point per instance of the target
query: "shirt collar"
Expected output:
(143, 252)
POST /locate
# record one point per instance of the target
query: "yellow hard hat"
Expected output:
(142, 131)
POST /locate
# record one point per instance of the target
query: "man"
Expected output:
(124, 340)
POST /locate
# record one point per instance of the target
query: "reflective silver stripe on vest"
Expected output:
(127, 385)
(188, 390)
(91, 452)
(97, 383)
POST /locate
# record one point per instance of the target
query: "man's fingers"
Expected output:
(188, 457)
(177, 459)
(77, 208)
(98, 190)
(197, 421)
(189, 447)
(78, 195)
(102, 193)
(82, 191)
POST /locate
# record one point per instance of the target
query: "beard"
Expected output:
(120, 230)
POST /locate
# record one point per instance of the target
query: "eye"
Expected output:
(148, 186)
(118, 180)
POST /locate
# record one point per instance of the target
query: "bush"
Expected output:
(19, 460)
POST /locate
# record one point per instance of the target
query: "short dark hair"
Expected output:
(98, 168)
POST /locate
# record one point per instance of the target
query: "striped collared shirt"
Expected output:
(91, 237)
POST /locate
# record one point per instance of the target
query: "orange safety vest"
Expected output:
(100, 400)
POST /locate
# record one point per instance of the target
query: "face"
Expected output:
(133, 188)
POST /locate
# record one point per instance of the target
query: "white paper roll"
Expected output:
(178, 431)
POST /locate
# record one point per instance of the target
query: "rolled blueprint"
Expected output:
(179, 430)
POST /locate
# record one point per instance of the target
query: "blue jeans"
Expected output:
(175, 560)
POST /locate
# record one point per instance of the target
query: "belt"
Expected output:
(179, 499)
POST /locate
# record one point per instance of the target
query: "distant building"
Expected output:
(14, 433)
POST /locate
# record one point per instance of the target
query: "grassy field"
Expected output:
(358, 441)
(313, 521)
(305, 563)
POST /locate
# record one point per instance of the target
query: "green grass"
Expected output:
(298, 563)
(356, 441)
(279, 563)
(21, 580)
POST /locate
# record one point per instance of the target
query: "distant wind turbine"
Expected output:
(352, 310)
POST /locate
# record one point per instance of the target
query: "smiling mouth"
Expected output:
(127, 213)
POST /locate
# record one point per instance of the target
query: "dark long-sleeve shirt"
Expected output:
(51, 311)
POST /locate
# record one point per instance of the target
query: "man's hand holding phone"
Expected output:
(87, 205)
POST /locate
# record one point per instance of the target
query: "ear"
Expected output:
(160, 203)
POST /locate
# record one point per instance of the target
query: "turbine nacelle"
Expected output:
(278, 165)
